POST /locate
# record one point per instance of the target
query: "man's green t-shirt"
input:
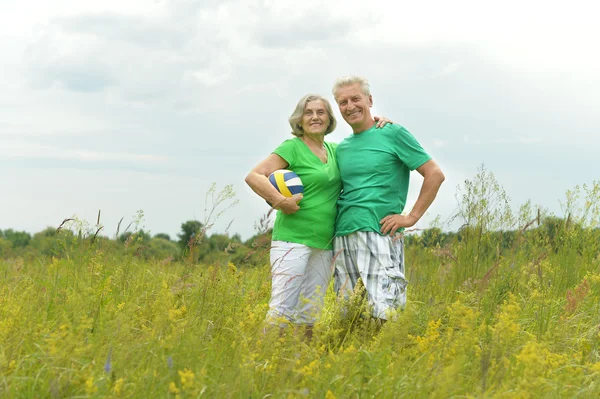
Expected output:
(375, 167)
(313, 225)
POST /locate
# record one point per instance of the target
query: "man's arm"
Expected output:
(433, 177)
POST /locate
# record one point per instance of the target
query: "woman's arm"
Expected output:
(258, 180)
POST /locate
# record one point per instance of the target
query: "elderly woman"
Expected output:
(301, 249)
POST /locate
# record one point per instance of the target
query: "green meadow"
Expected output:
(507, 306)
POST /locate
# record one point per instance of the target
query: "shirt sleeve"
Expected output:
(409, 150)
(287, 151)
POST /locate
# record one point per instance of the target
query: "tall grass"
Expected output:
(484, 319)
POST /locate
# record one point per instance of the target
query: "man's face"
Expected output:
(354, 106)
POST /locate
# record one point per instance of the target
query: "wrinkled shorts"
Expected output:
(379, 262)
(300, 276)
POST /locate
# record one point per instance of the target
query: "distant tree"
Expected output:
(255, 251)
(143, 236)
(5, 246)
(161, 249)
(432, 237)
(218, 242)
(507, 239)
(236, 238)
(554, 227)
(123, 237)
(46, 242)
(164, 236)
(48, 232)
(259, 239)
(189, 229)
(138, 235)
(17, 238)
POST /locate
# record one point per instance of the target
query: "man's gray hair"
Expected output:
(296, 118)
(350, 80)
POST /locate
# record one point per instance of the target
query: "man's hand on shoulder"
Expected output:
(392, 223)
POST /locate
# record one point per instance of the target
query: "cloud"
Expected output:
(135, 30)
(501, 140)
(187, 91)
(303, 31)
(15, 149)
(451, 67)
(78, 76)
(32, 131)
(141, 60)
(191, 56)
(469, 140)
(518, 140)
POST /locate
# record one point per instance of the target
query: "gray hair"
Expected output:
(296, 118)
(350, 80)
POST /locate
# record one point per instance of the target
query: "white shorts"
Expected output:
(300, 276)
(379, 262)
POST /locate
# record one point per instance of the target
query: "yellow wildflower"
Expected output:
(595, 368)
(187, 378)
(177, 313)
(556, 360)
(118, 388)
(310, 368)
(173, 388)
(532, 358)
(232, 267)
(506, 326)
(90, 387)
(431, 335)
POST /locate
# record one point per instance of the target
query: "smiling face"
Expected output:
(315, 119)
(355, 107)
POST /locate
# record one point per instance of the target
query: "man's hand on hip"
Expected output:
(392, 223)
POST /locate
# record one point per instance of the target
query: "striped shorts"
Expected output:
(379, 262)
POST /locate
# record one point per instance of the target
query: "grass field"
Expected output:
(481, 322)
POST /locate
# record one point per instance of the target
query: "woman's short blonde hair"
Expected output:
(296, 118)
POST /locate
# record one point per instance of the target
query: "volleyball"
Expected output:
(286, 182)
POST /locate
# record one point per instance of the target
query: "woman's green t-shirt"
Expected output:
(313, 225)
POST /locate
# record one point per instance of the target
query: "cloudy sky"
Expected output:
(142, 105)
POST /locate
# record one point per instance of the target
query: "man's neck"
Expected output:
(363, 126)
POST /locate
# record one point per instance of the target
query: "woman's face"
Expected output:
(316, 118)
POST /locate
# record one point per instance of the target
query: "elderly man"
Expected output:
(375, 169)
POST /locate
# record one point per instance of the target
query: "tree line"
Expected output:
(194, 244)
(490, 228)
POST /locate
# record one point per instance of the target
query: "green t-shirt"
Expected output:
(375, 166)
(313, 225)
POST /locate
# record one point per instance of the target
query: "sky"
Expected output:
(141, 105)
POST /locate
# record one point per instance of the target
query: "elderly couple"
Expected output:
(354, 194)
